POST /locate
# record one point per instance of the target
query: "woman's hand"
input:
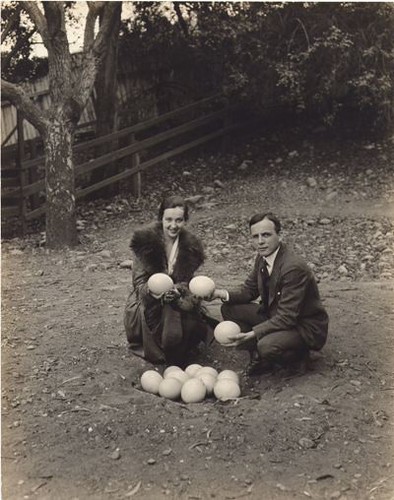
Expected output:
(167, 297)
(170, 296)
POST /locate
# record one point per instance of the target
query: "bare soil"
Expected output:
(75, 422)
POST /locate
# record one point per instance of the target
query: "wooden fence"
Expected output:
(127, 153)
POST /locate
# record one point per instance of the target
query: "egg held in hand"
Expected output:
(225, 330)
(160, 283)
(202, 286)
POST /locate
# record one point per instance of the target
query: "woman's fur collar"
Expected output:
(148, 245)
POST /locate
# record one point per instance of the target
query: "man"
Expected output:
(290, 319)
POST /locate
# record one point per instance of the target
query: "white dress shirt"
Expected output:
(270, 259)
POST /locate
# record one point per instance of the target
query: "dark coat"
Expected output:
(294, 300)
(149, 252)
(148, 247)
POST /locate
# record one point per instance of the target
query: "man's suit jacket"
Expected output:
(294, 301)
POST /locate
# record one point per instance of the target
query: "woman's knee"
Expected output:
(226, 310)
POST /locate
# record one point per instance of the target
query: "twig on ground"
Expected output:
(106, 407)
(199, 443)
(40, 485)
(134, 490)
(71, 379)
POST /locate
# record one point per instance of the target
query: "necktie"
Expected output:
(266, 281)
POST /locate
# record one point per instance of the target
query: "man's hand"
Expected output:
(218, 293)
(240, 338)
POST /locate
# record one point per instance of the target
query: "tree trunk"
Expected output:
(106, 84)
(69, 91)
(60, 185)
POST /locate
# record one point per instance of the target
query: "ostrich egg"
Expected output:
(150, 381)
(179, 375)
(191, 370)
(226, 389)
(170, 388)
(171, 369)
(207, 369)
(160, 283)
(225, 330)
(202, 286)
(228, 374)
(193, 391)
(209, 381)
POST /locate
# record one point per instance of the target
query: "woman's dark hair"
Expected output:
(266, 215)
(172, 202)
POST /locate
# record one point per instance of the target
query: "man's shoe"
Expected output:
(300, 366)
(258, 367)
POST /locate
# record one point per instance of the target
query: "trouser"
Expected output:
(282, 347)
(192, 330)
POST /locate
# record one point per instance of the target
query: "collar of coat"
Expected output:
(148, 246)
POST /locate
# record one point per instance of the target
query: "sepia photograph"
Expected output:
(197, 250)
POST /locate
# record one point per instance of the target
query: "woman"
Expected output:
(165, 329)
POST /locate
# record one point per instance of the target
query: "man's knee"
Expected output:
(268, 348)
(280, 348)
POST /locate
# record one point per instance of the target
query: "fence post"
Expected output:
(22, 173)
(226, 123)
(136, 178)
(33, 174)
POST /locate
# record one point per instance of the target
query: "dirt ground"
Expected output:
(76, 424)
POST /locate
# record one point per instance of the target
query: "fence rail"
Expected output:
(120, 161)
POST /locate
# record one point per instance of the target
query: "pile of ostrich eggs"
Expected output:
(225, 330)
(192, 385)
(160, 283)
(202, 286)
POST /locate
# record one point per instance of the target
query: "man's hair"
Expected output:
(266, 215)
(173, 202)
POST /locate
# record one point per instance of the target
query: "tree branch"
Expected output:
(95, 9)
(95, 49)
(38, 19)
(182, 22)
(54, 13)
(107, 21)
(18, 97)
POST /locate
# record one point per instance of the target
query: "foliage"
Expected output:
(19, 37)
(345, 63)
(332, 62)
(328, 60)
(154, 46)
(17, 32)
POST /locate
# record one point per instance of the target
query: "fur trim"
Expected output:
(148, 245)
